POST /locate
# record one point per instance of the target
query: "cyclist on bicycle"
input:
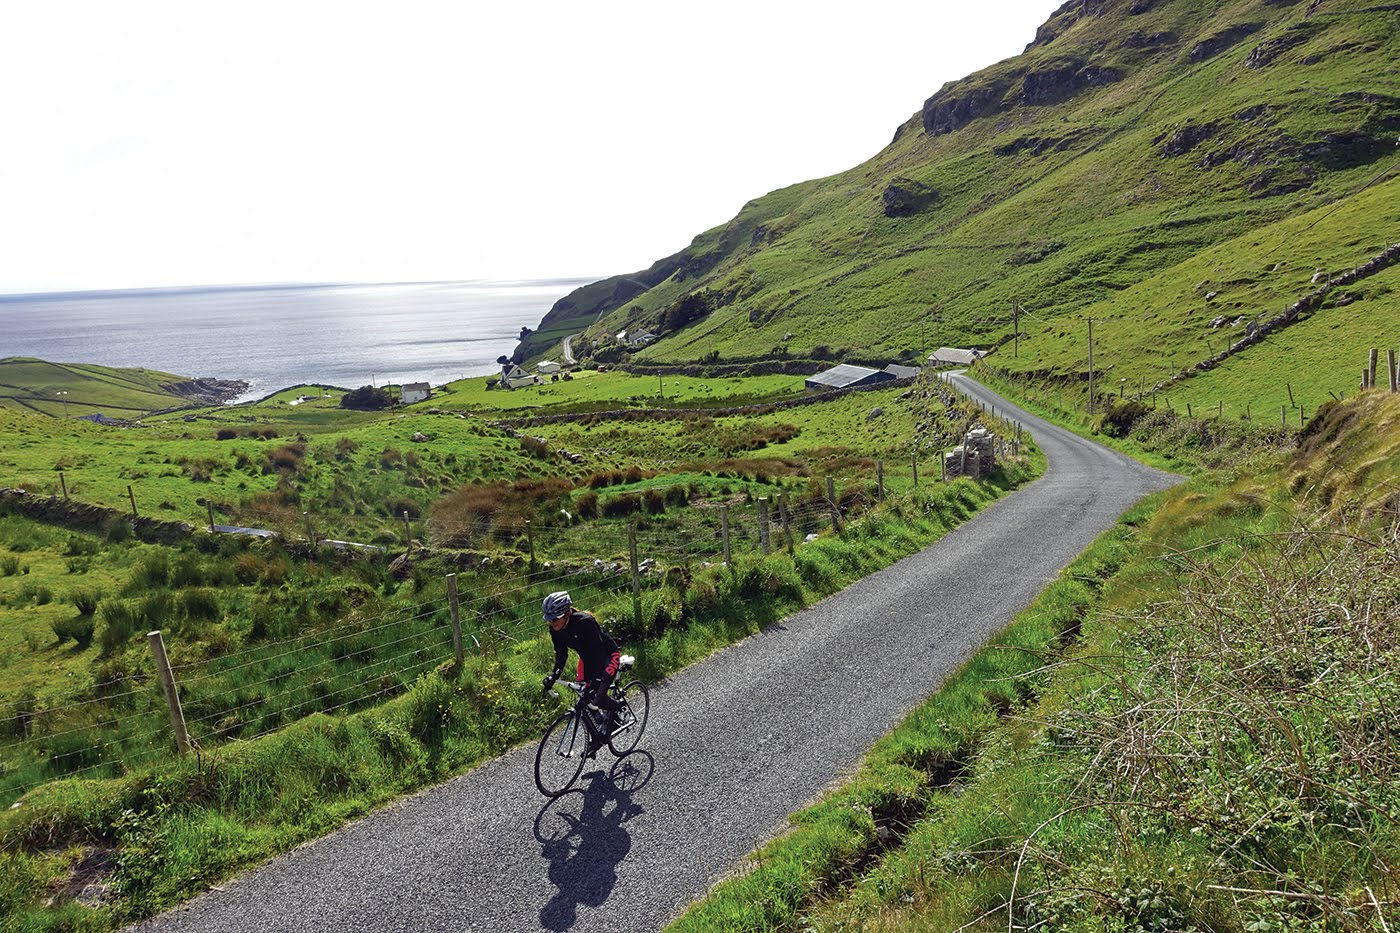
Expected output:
(598, 657)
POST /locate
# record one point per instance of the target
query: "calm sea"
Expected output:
(274, 337)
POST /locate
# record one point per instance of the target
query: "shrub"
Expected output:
(587, 505)
(85, 601)
(153, 572)
(9, 565)
(286, 458)
(621, 506)
(200, 604)
(225, 434)
(188, 571)
(367, 398)
(158, 609)
(79, 546)
(119, 622)
(429, 710)
(79, 628)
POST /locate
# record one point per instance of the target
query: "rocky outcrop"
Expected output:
(1050, 82)
(959, 103)
(1063, 18)
(905, 197)
(1056, 81)
(208, 391)
(1187, 138)
(1226, 38)
(1264, 54)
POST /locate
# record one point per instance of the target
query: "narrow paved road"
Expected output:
(735, 744)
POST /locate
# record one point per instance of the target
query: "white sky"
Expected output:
(179, 143)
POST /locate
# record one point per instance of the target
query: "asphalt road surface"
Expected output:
(734, 745)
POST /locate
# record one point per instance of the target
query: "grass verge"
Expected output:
(145, 841)
(908, 772)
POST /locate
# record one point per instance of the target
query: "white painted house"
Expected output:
(548, 368)
(416, 392)
(513, 377)
(953, 356)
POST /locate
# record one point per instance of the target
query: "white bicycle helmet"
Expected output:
(555, 605)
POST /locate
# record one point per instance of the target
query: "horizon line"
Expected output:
(279, 286)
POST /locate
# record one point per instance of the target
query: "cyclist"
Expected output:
(598, 657)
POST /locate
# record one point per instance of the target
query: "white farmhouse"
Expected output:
(416, 392)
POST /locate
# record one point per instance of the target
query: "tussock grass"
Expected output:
(1213, 751)
(185, 823)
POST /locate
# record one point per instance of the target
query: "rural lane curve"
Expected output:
(735, 744)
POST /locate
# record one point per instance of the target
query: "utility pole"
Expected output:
(1091, 366)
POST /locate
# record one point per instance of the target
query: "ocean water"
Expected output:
(274, 337)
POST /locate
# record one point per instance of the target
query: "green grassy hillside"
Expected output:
(1138, 156)
(75, 389)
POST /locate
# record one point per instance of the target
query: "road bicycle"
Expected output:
(575, 736)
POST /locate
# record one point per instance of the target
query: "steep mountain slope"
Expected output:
(1130, 137)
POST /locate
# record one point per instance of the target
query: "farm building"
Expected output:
(512, 377)
(415, 392)
(548, 367)
(953, 356)
(902, 372)
(846, 376)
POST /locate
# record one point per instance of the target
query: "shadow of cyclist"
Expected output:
(583, 836)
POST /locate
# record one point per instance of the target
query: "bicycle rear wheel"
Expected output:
(559, 759)
(631, 718)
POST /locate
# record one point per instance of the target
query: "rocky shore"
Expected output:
(208, 390)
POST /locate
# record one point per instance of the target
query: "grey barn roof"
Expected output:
(902, 372)
(845, 375)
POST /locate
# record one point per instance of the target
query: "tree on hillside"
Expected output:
(367, 398)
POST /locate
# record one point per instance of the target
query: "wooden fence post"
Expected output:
(880, 480)
(64, 483)
(407, 532)
(1390, 366)
(458, 651)
(914, 463)
(636, 575)
(786, 515)
(1371, 368)
(763, 541)
(1219, 410)
(529, 543)
(210, 507)
(724, 530)
(831, 502)
(172, 696)
(1283, 415)
(1291, 403)
(132, 496)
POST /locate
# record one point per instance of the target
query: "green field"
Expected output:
(71, 390)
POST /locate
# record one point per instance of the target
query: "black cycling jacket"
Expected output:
(595, 646)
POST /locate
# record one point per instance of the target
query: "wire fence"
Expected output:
(129, 720)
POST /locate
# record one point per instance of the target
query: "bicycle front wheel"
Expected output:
(631, 718)
(560, 756)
